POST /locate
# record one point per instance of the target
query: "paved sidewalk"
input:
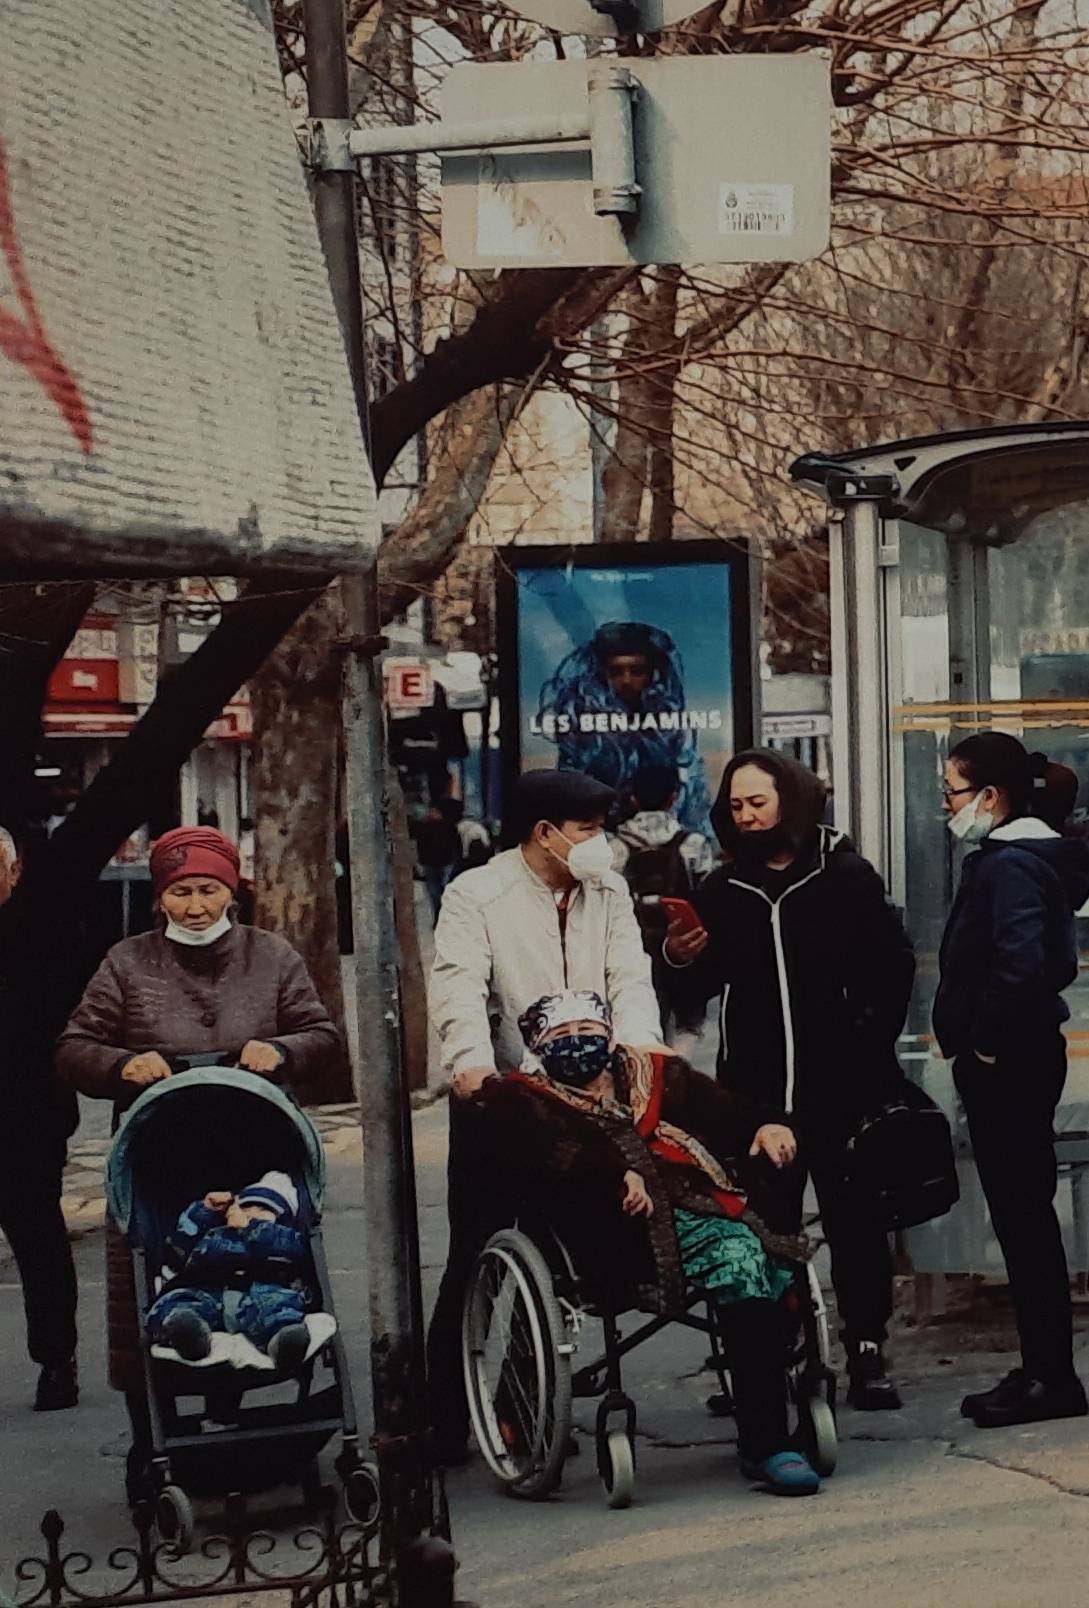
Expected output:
(924, 1509)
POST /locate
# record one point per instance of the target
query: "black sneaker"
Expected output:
(1033, 1403)
(1007, 1389)
(870, 1391)
(58, 1388)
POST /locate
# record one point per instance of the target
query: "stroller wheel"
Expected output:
(174, 1516)
(361, 1496)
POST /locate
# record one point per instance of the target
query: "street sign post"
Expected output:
(731, 164)
(607, 19)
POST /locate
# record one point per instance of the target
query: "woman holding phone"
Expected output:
(815, 971)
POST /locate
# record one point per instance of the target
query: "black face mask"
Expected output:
(577, 1059)
(757, 848)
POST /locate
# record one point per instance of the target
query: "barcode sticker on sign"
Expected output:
(756, 209)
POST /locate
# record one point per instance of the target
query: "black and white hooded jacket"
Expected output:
(814, 967)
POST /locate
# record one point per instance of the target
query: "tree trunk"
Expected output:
(627, 469)
(294, 780)
(642, 456)
(663, 403)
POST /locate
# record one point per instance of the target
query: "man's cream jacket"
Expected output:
(499, 946)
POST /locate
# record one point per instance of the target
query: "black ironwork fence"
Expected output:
(328, 1563)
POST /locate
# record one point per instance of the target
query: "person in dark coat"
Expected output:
(198, 984)
(815, 972)
(656, 1179)
(1008, 953)
(38, 1115)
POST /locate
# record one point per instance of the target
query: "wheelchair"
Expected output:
(525, 1322)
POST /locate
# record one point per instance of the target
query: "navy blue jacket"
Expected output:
(1009, 948)
(205, 1251)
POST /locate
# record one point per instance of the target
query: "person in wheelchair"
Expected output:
(659, 1179)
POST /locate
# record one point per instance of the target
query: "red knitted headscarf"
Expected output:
(194, 851)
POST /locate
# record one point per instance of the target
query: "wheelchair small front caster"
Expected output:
(616, 1461)
(817, 1426)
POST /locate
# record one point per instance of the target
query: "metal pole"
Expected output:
(392, 1243)
(558, 128)
(866, 681)
(611, 90)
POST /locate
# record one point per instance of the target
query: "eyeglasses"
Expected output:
(956, 792)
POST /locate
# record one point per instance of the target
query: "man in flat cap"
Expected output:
(548, 915)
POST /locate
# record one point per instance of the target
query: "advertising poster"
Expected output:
(617, 659)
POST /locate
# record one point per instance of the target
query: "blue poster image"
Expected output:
(627, 667)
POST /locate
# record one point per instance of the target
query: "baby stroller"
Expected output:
(215, 1127)
(525, 1320)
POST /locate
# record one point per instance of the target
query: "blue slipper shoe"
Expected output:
(784, 1474)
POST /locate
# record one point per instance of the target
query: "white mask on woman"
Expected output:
(590, 859)
(198, 940)
(971, 824)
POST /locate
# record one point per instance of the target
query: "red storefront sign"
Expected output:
(87, 679)
(84, 696)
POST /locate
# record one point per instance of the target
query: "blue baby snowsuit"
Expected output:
(231, 1277)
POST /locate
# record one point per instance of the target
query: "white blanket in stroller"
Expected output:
(238, 1352)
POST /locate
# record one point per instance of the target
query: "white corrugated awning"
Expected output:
(173, 390)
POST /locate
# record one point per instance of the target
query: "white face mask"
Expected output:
(198, 940)
(971, 824)
(589, 860)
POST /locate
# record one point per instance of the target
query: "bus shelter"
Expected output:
(960, 603)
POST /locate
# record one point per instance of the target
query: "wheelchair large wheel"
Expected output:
(517, 1361)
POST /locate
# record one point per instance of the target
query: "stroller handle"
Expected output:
(192, 1063)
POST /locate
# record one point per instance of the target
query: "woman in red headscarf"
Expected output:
(200, 983)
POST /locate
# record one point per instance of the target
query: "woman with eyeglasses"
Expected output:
(1008, 953)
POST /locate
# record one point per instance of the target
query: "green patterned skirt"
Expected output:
(727, 1258)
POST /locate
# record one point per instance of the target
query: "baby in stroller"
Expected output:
(235, 1265)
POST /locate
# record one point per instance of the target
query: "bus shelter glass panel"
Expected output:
(923, 649)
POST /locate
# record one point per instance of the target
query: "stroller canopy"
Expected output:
(214, 1128)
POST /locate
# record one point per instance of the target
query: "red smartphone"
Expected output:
(680, 910)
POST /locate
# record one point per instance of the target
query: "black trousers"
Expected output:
(1011, 1118)
(33, 1224)
(755, 1333)
(475, 1212)
(861, 1258)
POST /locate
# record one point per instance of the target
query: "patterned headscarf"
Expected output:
(560, 1010)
